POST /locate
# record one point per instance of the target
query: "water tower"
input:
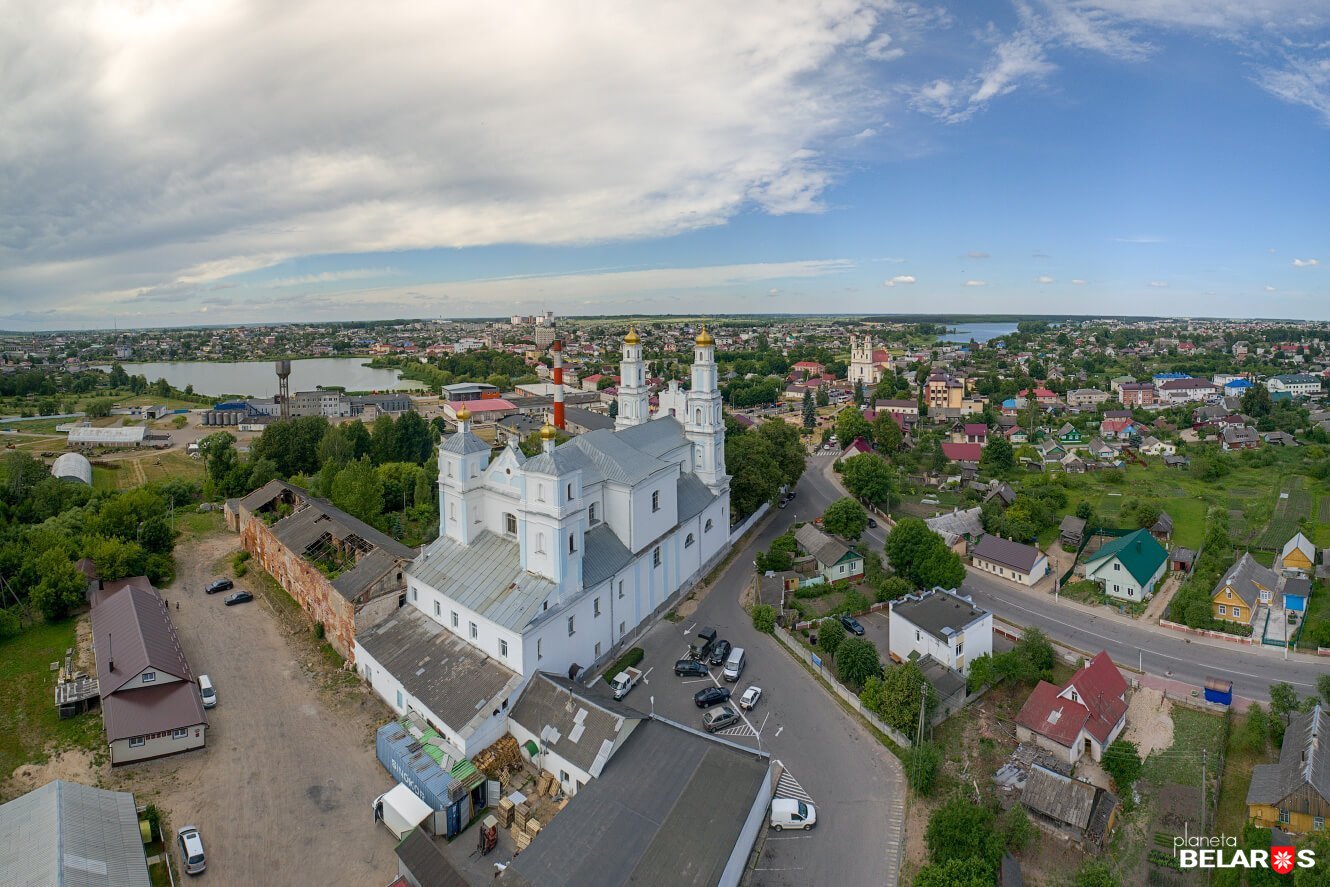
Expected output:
(284, 388)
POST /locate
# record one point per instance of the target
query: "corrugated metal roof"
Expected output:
(464, 443)
(694, 496)
(65, 833)
(125, 435)
(619, 460)
(458, 683)
(827, 550)
(603, 555)
(486, 577)
(657, 437)
(131, 627)
(553, 702)
(74, 467)
(368, 570)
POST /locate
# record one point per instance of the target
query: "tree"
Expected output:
(997, 456)
(358, 490)
(846, 518)
(971, 872)
(415, 444)
(1123, 762)
(830, 635)
(62, 586)
(1254, 733)
(1085, 511)
(896, 696)
(1283, 700)
(1323, 687)
(907, 545)
(156, 535)
(755, 475)
(1256, 401)
(1095, 873)
(823, 397)
(921, 766)
(99, 407)
(336, 447)
(859, 394)
(810, 411)
(786, 448)
(115, 558)
(358, 435)
(961, 830)
(868, 477)
(983, 673)
(1017, 830)
(383, 440)
(857, 661)
(942, 568)
(851, 424)
(887, 436)
(764, 618)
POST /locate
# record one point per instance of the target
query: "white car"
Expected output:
(191, 850)
(750, 698)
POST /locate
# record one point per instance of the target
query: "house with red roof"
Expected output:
(1085, 715)
(962, 452)
(969, 432)
(857, 447)
(806, 368)
(1041, 395)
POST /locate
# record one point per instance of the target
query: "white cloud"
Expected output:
(976, 283)
(1044, 278)
(1076, 281)
(1301, 81)
(1158, 284)
(402, 126)
(1306, 263)
(1014, 60)
(330, 277)
(900, 279)
(1269, 289)
(976, 254)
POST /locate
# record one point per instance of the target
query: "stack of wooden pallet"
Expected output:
(505, 812)
(548, 784)
(502, 756)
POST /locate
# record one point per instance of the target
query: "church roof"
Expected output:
(486, 577)
(694, 496)
(656, 437)
(464, 443)
(603, 555)
(619, 457)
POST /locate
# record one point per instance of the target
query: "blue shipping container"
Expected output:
(404, 757)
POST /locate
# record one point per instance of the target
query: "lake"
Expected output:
(259, 378)
(979, 332)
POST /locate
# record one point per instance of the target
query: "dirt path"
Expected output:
(1154, 611)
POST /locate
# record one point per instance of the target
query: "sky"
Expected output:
(178, 163)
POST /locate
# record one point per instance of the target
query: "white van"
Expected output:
(206, 691)
(734, 666)
(792, 813)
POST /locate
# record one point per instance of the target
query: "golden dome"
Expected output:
(704, 337)
(463, 414)
(548, 431)
(632, 338)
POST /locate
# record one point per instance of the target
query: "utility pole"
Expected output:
(1204, 753)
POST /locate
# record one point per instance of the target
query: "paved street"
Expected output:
(856, 784)
(1158, 651)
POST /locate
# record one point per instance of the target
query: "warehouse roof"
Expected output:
(72, 466)
(84, 434)
(65, 833)
(584, 727)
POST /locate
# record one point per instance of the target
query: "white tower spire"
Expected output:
(634, 397)
(704, 423)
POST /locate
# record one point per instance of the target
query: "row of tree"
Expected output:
(760, 460)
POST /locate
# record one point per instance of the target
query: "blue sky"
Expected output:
(1161, 157)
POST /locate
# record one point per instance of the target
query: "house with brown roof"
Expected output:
(150, 704)
(1294, 795)
(1011, 560)
(835, 559)
(1085, 715)
(1245, 586)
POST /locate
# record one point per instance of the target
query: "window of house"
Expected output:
(563, 776)
(540, 543)
(452, 511)
(454, 615)
(540, 492)
(916, 635)
(572, 626)
(1117, 566)
(1318, 822)
(1283, 816)
(960, 648)
(1237, 612)
(136, 742)
(596, 606)
(707, 528)
(572, 543)
(475, 632)
(1073, 696)
(149, 677)
(540, 642)
(450, 468)
(503, 648)
(655, 558)
(655, 501)
(180, 733)
(415, 595)
(688, 541)
(510, 524)
(621, 628)
(597, 649)
(620, 589)
(1223, 611)
(438, 611)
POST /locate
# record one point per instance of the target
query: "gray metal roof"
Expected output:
(667, 810)
(72, 466)
(1008, 553)
(463, 443)
(824, 548)
(939, 612)
(69, 835)
(318, 516)
(1302, 761)
(117, 435)
(368, 570)
(694, 496)
(458, 683)
(588, 419)
(618, 457)
(603, 555)
(657, 437)
(1247, 577)
(564, 460)
(582, 726)
(959, 523)
(486, 577)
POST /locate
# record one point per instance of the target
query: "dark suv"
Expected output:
(720, 652)
(219, 585)
(690, 668)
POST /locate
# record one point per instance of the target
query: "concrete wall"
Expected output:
(158, 745)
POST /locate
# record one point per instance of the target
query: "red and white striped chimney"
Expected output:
(557, 348)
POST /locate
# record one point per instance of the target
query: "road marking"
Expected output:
(788, 787)
(646, 674)
(697, 681)
(779, 729)
(738, 730)
(689, 629)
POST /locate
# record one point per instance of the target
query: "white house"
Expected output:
(548, 562)
(1086, 715)
(1296, 384)
(1128, 567)
(1020, 563)
(941, 624)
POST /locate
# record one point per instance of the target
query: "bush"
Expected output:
(764, 618)
(630, 659)
(857, 660)
(830, 635)
(921, 766)
(1017, 830)
(1123, 762)
(961, 830)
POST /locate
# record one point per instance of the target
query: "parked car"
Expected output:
(792, 494)
(719, 718)
(782, 503)
(191, 850)
(710, 696)
(852, 625)
(240, 597)
(719, 651)
(792, 813)
(872, 523)
(690, 668)
(207, 691)
(219, 585)
(750, 697)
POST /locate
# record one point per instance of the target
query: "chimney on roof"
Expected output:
(110, 655)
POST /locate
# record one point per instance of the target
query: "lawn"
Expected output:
(1193, 731)
(1238, 763)
(191, 524)
(29, 722)
(1295, 503)
(1318, 610)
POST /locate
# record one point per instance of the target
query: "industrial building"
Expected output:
(90, 436)
(65, 834)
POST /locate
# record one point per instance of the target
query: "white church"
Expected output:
(547, 562)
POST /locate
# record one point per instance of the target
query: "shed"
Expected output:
(1072, 530)
(72, 466)
(1086, 811)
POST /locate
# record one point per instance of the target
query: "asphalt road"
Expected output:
(856, 785)
(1158, 651)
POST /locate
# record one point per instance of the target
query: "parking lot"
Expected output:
(282, 792)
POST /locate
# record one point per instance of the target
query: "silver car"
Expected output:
(719, 718)
(191, 850)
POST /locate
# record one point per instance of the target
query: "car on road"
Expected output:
(782, 503)
(750, 697)
(690, 668)
(207, 691)
(791, 494)
(792, 813)
(719, 652)
(191, 850)
(872, 523)
(219, 585)
(240, 597)
(852, 625)
(719, 718)
(709, 696)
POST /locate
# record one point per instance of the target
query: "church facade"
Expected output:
(549, 561)
(865, 362)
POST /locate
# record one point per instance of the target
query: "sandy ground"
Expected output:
(1149, 721)
(1154, 611)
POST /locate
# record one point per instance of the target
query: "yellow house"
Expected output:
(1291, 795)
(1245, 586)
(1298, 554)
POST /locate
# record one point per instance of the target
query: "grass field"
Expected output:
(132, 471)
(1295, 503)
(28, 719)
(1181, 763)
(1318, 610)
(1238, 763)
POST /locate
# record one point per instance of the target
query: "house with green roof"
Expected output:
(1128, 567)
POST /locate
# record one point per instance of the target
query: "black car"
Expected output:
(872, 523)
(720, 652)
(852, 625)
(690, 668)
(219, 585)
(711, 696)
(240, 597)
